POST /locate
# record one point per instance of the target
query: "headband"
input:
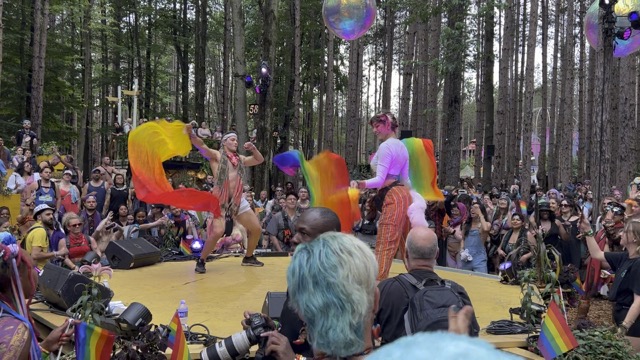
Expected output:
(228, 135)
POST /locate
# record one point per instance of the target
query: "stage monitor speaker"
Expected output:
(491, 150)
(131, 253)
(62, 287)
(273, 304)
(405, 134)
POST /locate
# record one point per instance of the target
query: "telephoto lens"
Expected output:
(239, 343)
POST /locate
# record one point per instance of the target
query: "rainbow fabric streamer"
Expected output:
(149, 145)
(423, 171)
(177, 342)
(523, 207)
(555, 336)
(577, 285)
(93, 343)
(185, 247)
(328, 182)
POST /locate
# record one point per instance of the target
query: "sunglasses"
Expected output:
(75, 225)
(617, 210)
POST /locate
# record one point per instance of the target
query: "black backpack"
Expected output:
(428, 308)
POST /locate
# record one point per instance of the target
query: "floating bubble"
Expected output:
(349, 19)
(627, 35)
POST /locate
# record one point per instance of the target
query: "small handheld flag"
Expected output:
(177, 342)
(577, 285)
(93, 343)
(555, 337)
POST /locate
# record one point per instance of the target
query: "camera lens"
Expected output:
(231, 347)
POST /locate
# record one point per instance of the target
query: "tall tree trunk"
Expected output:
(147, 96)
(390, 28)
(582, 129)
(184, 62)
(590, 116)
(435, 30)
(552, 160)
(84, 142)
(627, 125)
(503, 97)
(565, 156)
(408, 65)
(40, 25)
(488, 89)
(329, 122)
(421, 89)
(544, 111)
(527, 122)
(295, 72)
(226, 55)
(1, 39)
(353, 123)
(454, 48)
(239, 65)
(200, 59)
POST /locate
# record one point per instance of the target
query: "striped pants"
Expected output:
(393, 227)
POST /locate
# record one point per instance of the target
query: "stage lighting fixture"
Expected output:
(196, 246)
(624, 34)
(634, 19)
(248, 81)
(264, 69)
(607, 4)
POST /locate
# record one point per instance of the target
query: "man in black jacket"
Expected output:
(420, 259)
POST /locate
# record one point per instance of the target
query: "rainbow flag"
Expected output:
(177, 342)
(423, 171)
(93, 343)
(327, 177)
(577, 285)
(555, 336)
(185, 247)
(523, 207)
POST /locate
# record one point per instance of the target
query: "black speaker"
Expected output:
(273, 304)
(405, 134)
(62, 287)
(131, 253)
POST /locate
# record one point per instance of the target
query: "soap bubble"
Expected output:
(349, 19)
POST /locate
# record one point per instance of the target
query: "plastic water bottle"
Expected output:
(183, 314)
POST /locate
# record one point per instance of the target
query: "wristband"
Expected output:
(588, 233)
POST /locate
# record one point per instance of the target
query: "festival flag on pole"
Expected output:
(555, 336)
(93, 343)
(177, 342)
(577, 285)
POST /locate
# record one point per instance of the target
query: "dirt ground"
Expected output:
(599, 313)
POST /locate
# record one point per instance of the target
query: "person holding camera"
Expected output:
(281, 227)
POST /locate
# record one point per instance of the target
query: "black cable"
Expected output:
(508, 327)
(205, 339)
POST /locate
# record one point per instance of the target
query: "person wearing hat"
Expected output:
(37, 239)
(97, 187)
(26, 138)
(229, 168)
(69, 194)
(553, 230)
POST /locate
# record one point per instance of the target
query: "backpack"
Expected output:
(428, 308)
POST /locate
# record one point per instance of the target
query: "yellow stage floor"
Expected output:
(218, 298)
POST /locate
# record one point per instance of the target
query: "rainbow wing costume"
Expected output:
(423, 172)
(149, 145)
(328, 181)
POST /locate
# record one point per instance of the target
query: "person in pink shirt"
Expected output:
(391, 166)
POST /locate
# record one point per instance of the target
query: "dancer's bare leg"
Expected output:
(216, 231)
(249, 220)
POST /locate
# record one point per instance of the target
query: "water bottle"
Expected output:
(183, 314)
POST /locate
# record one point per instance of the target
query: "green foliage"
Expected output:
(600, 344)
(89, 307)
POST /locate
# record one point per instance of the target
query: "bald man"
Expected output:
(312, 223)
(420, 257)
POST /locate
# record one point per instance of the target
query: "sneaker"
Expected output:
(251, 261)
(200, 269)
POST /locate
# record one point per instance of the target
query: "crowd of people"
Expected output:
(473, 228)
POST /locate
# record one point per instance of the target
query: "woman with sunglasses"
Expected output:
(572, 247)
(625, 291)
(77, 243)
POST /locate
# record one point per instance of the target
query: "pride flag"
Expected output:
(149, 145)
(177, 342)
(577, 285)
(185, 247)
(328, 181)
(555, 336)
(93, 343)
(423, 171)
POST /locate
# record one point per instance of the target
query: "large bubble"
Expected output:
(623, 44)
(349, 19)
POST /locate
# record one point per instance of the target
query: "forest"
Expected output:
(496, 72)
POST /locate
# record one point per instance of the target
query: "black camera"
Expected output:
(239, 343)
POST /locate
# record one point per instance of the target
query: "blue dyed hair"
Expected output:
(332, 282)
(447, 346)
